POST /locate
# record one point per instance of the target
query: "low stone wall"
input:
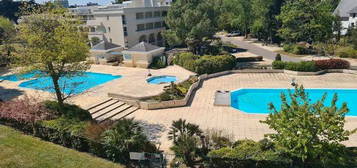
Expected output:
(172, 103)
(147, 105)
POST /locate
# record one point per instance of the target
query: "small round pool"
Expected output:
(161, 79)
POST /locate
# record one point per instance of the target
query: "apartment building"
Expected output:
(126, 24)
(347, 11)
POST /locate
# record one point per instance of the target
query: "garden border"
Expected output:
(138, 102)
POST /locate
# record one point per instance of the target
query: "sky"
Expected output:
(81, 2)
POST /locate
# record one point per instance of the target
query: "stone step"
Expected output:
(117, 111)
(108, 109)
(125, 114)
(94, 106)
(103, 106)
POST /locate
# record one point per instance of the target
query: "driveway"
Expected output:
(256, 49)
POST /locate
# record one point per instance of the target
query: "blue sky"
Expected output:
(82, 2)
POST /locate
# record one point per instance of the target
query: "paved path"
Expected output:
(257, 50)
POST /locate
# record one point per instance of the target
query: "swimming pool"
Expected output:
(256, 101)
(18, 77)
(69, 85)
(161, 79)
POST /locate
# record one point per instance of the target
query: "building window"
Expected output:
(125, 31)
(158, 24)
(92, 29)
(163, 24)
(354, 15)
(149, 26)
(108, 29)
(159, 39)
(140, 27)
(123, 19)
(164, 13)
(157, 14)
(127, 56)
(107, 17)
(140, 15)
(142, 38)
(148, 14)
(152, 38)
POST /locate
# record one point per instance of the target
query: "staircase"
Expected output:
(111, 109)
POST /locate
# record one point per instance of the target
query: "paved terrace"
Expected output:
(232, 121)
(133, 83)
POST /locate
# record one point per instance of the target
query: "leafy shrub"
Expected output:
(69, 111)
(250, 59)
(296, 49)
(304, 66)
(73, 126)
(346, 52)
(205, 64)
(212, 64)
(176, 91)
(124, 137)
(287, 47)
(95, 41)
(249, 153)
(332, 64)
(158, 63)
(279, 65)
(26, 110)
(216, 139)
(186, 60)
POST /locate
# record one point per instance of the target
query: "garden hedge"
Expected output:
(312, 66)
(247, 163)
(66, 139)
(207, 64)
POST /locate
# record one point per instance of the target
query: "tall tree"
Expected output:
(191, 22)
(236, 15)
(53, 45)
(309, 132)
(11, 9)
(306, 20)
(265, 24)
(7, 35)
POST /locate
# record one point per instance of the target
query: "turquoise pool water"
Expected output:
(15, 78)
(69, 85)
(256, 100)
(161, 79)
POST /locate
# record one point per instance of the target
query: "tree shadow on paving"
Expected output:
(152, 131)
(8, 94)
(3, 71)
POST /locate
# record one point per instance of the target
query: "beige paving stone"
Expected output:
(238, 123)
(201, 111)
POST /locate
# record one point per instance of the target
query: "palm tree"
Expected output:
(180, 127)
(125, 136)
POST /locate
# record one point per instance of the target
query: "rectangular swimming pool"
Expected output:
(256, 100)
(69, 85)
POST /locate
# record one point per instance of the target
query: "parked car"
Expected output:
(234, 34)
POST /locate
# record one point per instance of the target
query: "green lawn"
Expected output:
(22, 151)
